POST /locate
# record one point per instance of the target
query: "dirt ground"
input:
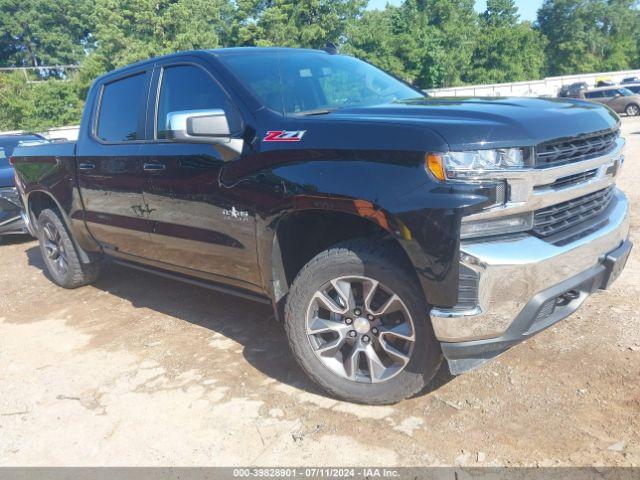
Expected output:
(140, 370)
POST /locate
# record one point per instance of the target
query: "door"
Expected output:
(619, 101)
(199, 225)
(109, 163)
(612, 99)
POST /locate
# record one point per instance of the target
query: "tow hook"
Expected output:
(567, 297)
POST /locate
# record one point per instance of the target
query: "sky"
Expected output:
(528, 8)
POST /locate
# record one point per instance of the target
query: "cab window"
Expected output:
(188, 87)
(120, 109)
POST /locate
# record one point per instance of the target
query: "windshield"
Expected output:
(625, 92)
(315, 82)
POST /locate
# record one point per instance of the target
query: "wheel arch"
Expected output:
(300, 235)
(39, 200)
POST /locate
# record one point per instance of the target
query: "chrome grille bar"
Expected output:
(575, 150)
(563, 216)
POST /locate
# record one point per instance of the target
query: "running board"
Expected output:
(194, 281)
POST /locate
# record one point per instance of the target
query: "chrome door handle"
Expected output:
(154, 167)
(86, 166)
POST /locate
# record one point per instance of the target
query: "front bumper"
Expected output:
(11, 221)
(525, 284)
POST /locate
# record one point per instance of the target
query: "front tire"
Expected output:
(60, 255)
(632, 110)
(358, 324)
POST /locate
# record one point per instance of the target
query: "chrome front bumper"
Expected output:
(512, 271)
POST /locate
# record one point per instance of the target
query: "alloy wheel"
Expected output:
(633, 110)
(360, 329)
(54, 249)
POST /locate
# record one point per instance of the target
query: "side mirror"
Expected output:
(198, 126)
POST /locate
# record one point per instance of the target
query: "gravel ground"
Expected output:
(140, 370)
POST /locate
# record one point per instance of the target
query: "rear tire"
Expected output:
(632, 110)
(60, 254)
(400, 354)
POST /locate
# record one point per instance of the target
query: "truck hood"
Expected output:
(487, 122)
(6, 177)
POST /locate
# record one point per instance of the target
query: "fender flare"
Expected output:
(32, 222)
(361, 209)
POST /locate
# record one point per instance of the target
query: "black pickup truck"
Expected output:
(388, 230)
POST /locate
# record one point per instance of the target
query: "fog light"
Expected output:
(497, 226)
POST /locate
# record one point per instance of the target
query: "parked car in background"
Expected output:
(635, 88)
(628, 80)
(621, 100)
(605, 82)
(10, 209)
(573, 90)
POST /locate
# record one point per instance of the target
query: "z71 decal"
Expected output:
(284, 135)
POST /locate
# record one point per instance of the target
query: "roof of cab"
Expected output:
(220, 52)
(260, 50)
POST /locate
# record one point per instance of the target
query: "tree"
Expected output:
(501, 35)
(590, 35)
(457, 23)
(130, 30)
(501, 13)
(296, 23)
(43, 32)
(16, 106)
(399, 42)
(37, 105)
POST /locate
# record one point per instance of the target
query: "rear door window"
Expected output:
(121, 108)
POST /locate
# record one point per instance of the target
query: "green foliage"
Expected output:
(590, 35)
(456, 26)
(37, 106)
(130, 30)
(506, 50)
(430, 43)
(501, 13)
(298, 23)
(43, 32)
(400, 42)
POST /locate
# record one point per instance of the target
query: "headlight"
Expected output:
(470, 164)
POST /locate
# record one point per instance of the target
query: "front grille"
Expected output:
(569, 181)
(575, 150)
(10, 194)
(552, 220)
(547, 310)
